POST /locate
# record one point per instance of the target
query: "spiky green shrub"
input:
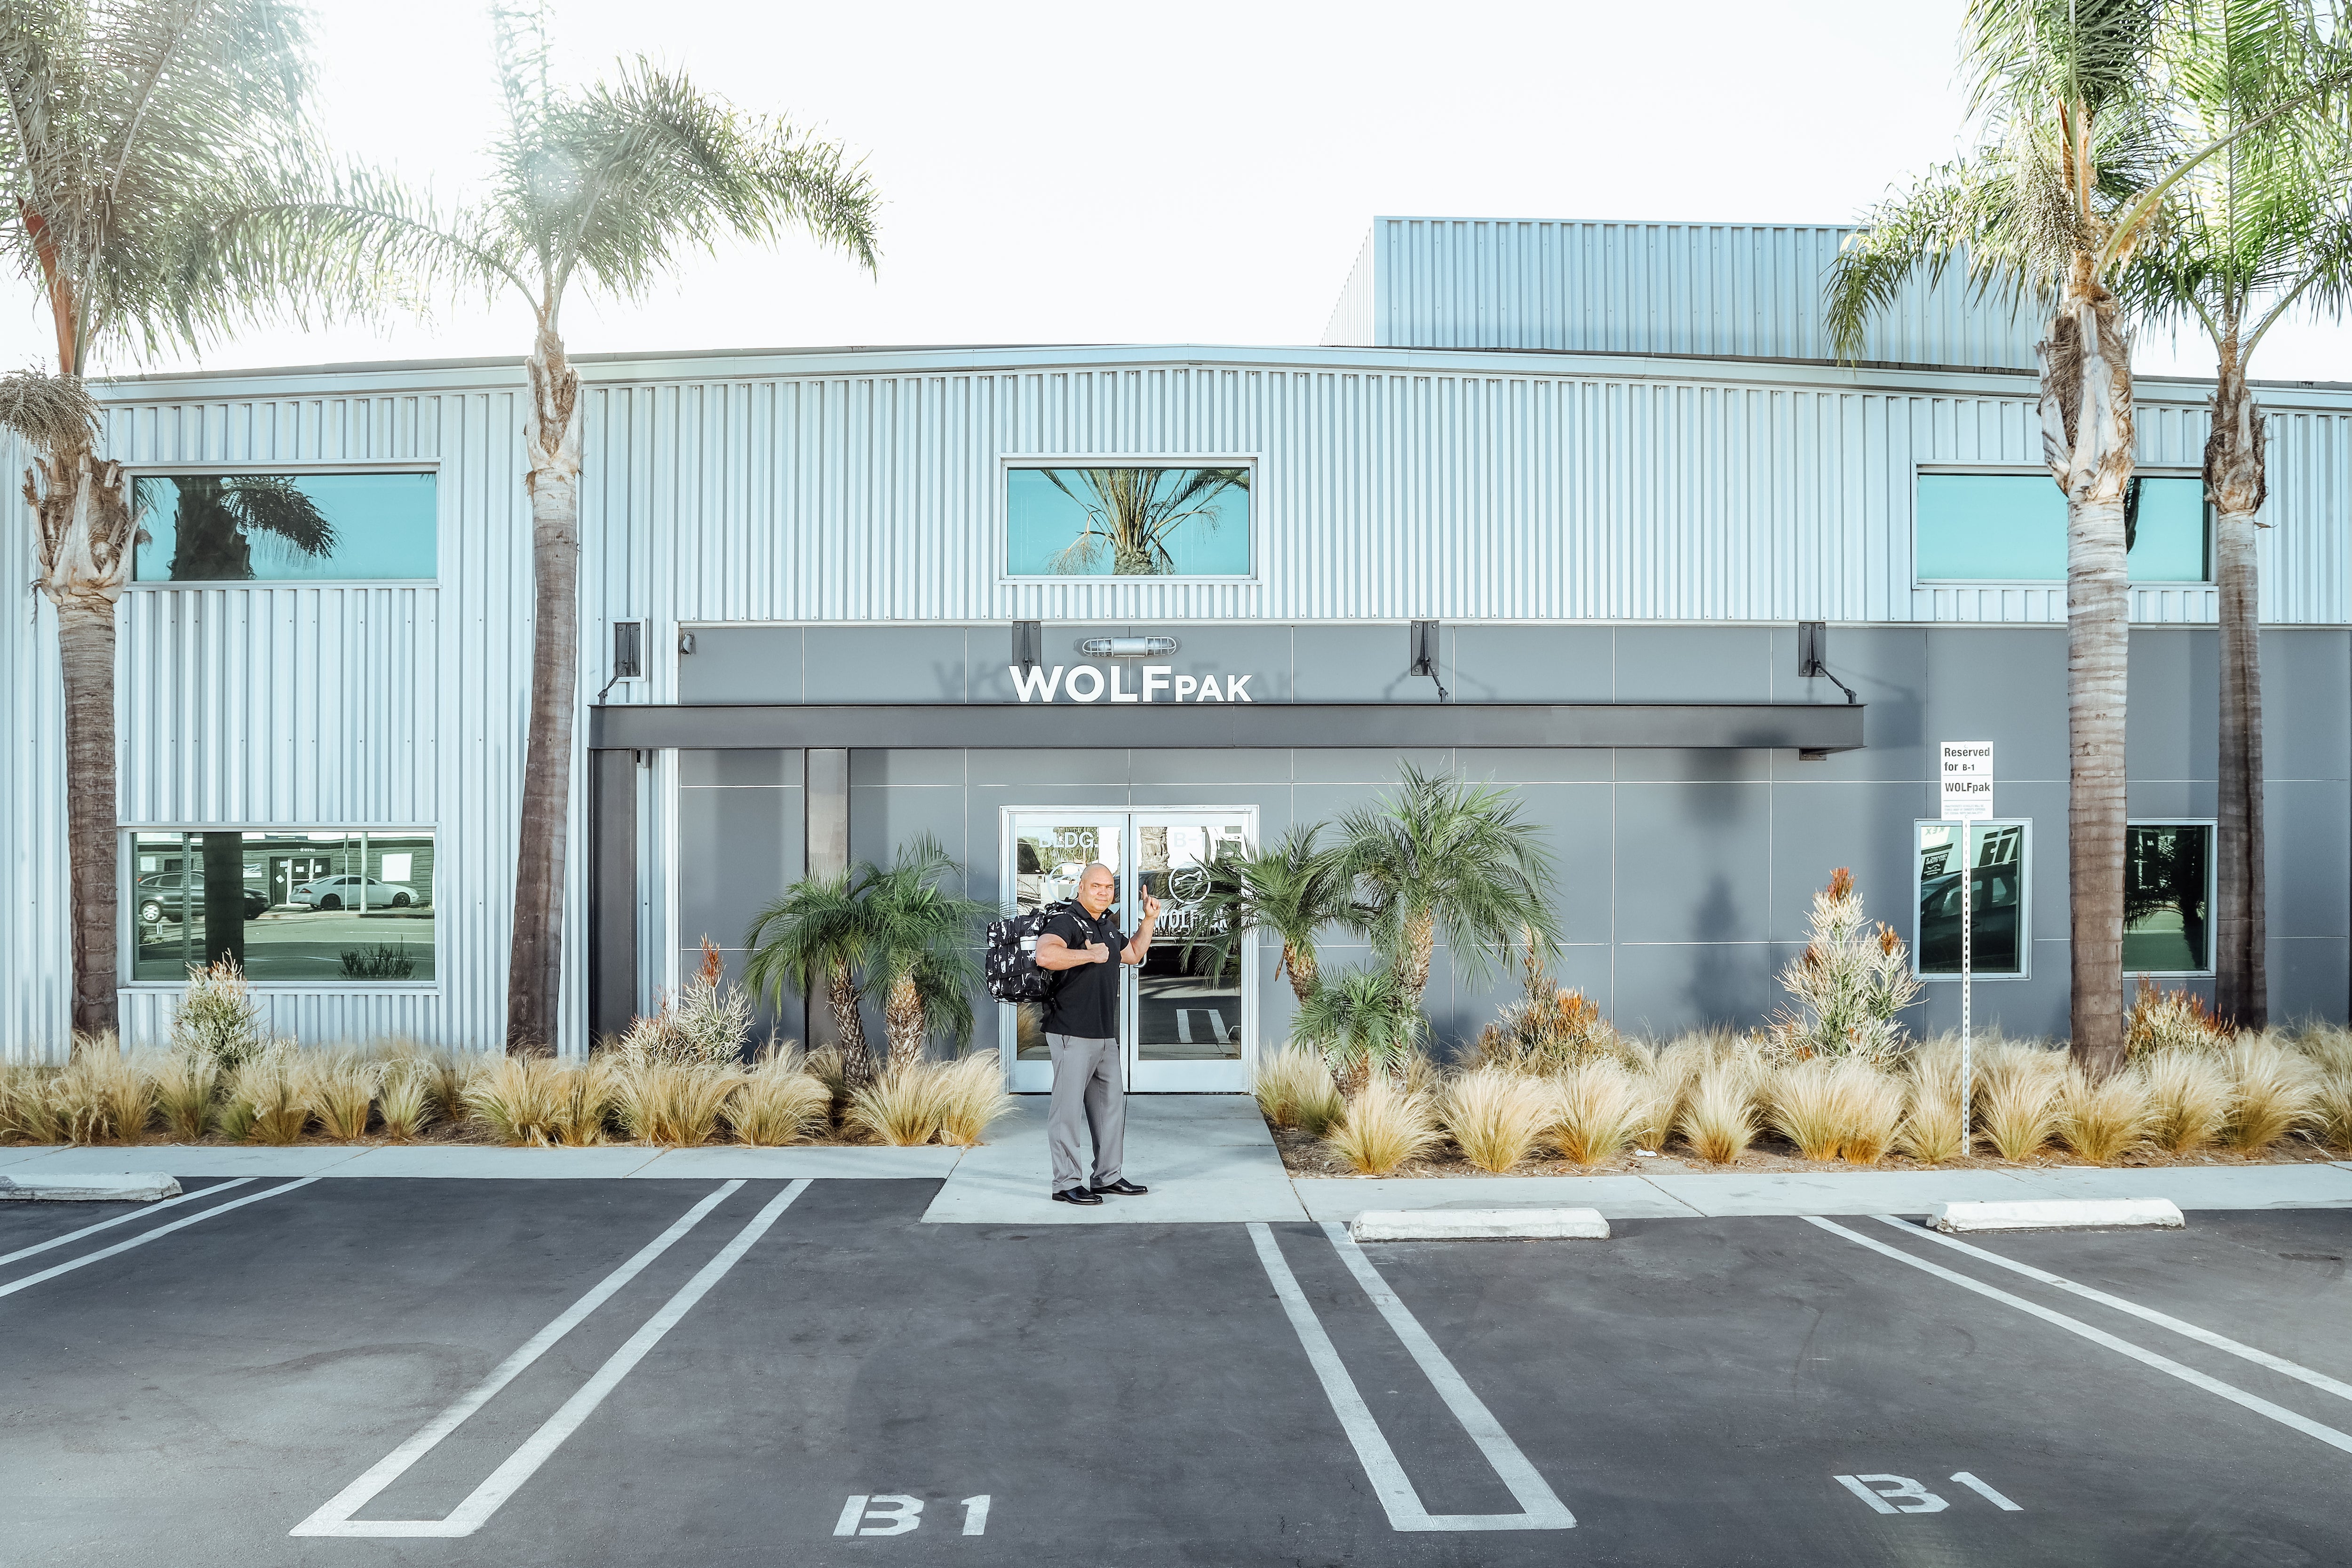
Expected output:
(218, 1017)
(1364, 1022)
(1848, 985)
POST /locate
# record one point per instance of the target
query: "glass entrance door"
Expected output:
(1181, 1032)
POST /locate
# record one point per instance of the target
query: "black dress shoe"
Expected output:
(1122, 1187)
(1076, 1196)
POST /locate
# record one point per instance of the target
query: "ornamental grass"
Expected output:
(676, 1104)
(2102, 1117)
(972, 1100)
(2189, 1095)
(903, 1107)
(1495, 1116)
(522, 1100)
(1295, 1089)
(1383, 1126)
(341, 1093)
(186, 1084)
(1598, 1111)
(2018, 1099)
(1719, 1115)
(2273, 1092)
(1932, 1100)
(266, 1099)
(405, 1102)
(779, 1102)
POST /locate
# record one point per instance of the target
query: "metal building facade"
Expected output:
(866, 488)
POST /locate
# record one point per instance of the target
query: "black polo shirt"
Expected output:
(1085, 1003)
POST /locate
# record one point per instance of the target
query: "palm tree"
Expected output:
(818, 930)
(1364, 1021)
(1134, 512)
(917, 949)
(132, 126)
(607, 185)
(1289, 889)
(2079, 157)
(2251, 234)
(1444, 855)
(217, 516)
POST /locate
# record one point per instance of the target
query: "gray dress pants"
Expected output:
(1087, 1097)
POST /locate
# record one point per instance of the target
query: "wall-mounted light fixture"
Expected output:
(1028, 643)
(1126, 648)
(1812, 657)
(1425, 656)
(686, 642)
(628, 653)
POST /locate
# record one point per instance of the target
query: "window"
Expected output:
(329, 908)
(2012, 528)
(284, 527)
(2167, 887)
(1127, 523)
(1998, 896)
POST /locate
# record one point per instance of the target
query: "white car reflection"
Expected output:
(353, 892)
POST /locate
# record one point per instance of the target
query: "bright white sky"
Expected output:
(1200, 172)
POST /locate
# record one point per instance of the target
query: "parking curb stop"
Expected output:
(2057, 1214)
(90, 1187)
(1479, 1225)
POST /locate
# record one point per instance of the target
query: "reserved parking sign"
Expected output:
(1967, 780)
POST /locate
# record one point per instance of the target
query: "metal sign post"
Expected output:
(1967, 770)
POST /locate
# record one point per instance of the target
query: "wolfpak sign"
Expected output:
(1158, 683)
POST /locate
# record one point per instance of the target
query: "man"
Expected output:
(1082, 1032)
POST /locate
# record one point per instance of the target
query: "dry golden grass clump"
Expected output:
(2329, 1051)
(520, 1099)
(101, 1097)
(1294, 1089)
(903, 1107)
(1497, 1118)
(1719, 1115)
(972, 1098)
(1598, 1111)
(2273, 1092)
(779, 1102)
(2018, 1108)
(185, 1085)
(406, 1100)
(1930, 1132)
(2102, 1119)
(1807, 1108)
(587, 1097)
(676, 1104)
(266, 1098)
(341, 1092)
(2189, 1095)
(1385, 1126)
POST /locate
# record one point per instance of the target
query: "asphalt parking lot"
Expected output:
(362, 1372)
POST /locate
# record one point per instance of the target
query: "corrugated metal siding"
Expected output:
(280, 705)
(1381, 495)
(1653, 287)
(36, 923)
(1354, 320)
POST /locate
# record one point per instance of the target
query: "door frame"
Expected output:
(1036, 1077)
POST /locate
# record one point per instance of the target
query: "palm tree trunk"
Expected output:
(1298, 963)
(552, 439)
(1415, 943)
(2235, 479)
(85, 527)
(2086, 427)
(902, 1019)
(841, 1001)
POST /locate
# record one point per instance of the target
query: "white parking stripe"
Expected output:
(144, 1212)
(337, 1509)
(142, 1238)
(2190, 1374)
(519, 1467)
(1544, 1511)
(2302, 1374)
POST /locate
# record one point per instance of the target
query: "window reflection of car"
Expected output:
(1993, 898)
(353, 892)
(161, 897)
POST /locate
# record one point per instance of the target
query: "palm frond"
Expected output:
(50, 413)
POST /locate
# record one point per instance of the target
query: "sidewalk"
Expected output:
(1209, 1160)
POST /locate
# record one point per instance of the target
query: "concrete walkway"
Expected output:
(1209, 1159)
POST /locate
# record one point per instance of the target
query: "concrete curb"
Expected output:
(2057, 1214)
(90, 1187)
(1479, 1225)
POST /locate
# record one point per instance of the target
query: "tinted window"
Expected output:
(2012, 528)
(1997, 913)
(2164, 898)
(1127, 523)
(281, 528)
(328, 907)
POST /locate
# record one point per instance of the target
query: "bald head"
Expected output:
(1096, 888)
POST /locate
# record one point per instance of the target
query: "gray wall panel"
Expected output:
(1694, 664)
(1663, 989)
(2306, 704)
(2309, 978)
(2007, 687)
(2173, 716)
(1864, 827)
(1693, 863)
(1532, 664)
(2309, 842)
(737, 664)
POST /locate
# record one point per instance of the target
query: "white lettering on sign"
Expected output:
(1965, 769)
(1088, 683)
